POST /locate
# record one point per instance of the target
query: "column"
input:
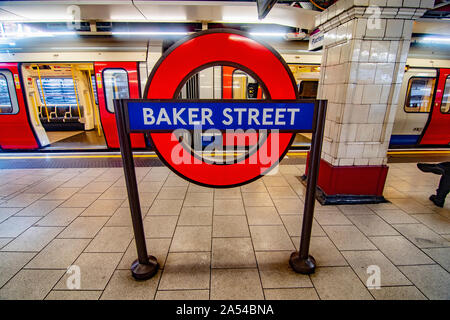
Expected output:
(366, 43)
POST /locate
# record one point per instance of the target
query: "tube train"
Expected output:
(60, 106)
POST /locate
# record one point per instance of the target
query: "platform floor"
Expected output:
(216, 243)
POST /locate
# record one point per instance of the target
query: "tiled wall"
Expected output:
(365, 49)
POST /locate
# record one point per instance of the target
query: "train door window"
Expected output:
(8, 98)
(116, 86)
(308, 89)
(445, 105)
(94, 88)
(420, 95)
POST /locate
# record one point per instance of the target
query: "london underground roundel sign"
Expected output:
(264, 129)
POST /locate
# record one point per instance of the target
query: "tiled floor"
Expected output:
(216, 244)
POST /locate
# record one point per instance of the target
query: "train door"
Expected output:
(62, 98)
(16, 126)
(414, 105)
(437, 130)
(116, 80)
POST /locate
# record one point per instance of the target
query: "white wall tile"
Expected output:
(384, 73)
(411, 3)
(376, 29)
(394, 28)
(366, 73)
(371, 93)
(379, 51)
(394, 3)
(346, 162)
(377, 113)
(393, 51)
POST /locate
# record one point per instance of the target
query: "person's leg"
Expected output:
(442, 191)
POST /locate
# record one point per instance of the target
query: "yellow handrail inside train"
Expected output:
(43, 94)
(76, 93)
(97, 115)
(36, 116)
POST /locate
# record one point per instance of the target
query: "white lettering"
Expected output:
(293, 111)
(148, 116)
(226, 113)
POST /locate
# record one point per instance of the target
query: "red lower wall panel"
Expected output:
(352, 180)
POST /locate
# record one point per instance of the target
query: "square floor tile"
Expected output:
(122, 218)
(289, 206)
(395, 216)
(361, 260)
(263, 216)
(348, 238)
(14, 226)
(400, 251)
(83, 227)
(196, 216)
(60, 217)
(80, 200)
(435, 222)
(191, 238)
(273, 238)
(11, 263)
(440, 255)
(372, 225)
(5, 213)
(230, 226)
(229, 207)
(58, 254)
(275, 271)
(39, 208)
(114, 193)
(186, 270)
(339, 283)
(60, 194)
(432, 280)
(236, 284)
(96, 269)
(282, 193)
(330, 218)
(22, 200)
(398, 293)
(255, 186)
(102, 208)
(165, 207)
(172, 193)
(96, 187)
(275, 181)
(422, 236)
(160, 226)
(411, 206)
(257, 200)
(34, 239)
(232, 253)
(111, 239)
(30, 284)
(198, 199)
(228, 193)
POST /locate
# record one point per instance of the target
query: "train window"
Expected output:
(94, 88)
(420, 94)
(308, 89)
(445, 105)
(8, 98)
(57, 91)
(116, 86)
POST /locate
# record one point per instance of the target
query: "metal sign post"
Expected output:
(301, 261)
(145, 266)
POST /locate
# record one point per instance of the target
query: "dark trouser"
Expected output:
(444, 183)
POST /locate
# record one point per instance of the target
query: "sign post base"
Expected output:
(144, 271)
(303, 266)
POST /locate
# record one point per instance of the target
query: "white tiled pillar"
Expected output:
(366, 43)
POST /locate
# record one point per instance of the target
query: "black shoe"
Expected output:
(426, 167)
(436, 201)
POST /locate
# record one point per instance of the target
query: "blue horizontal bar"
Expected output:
(289, 116)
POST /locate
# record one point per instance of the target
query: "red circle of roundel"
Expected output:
(222, 47)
